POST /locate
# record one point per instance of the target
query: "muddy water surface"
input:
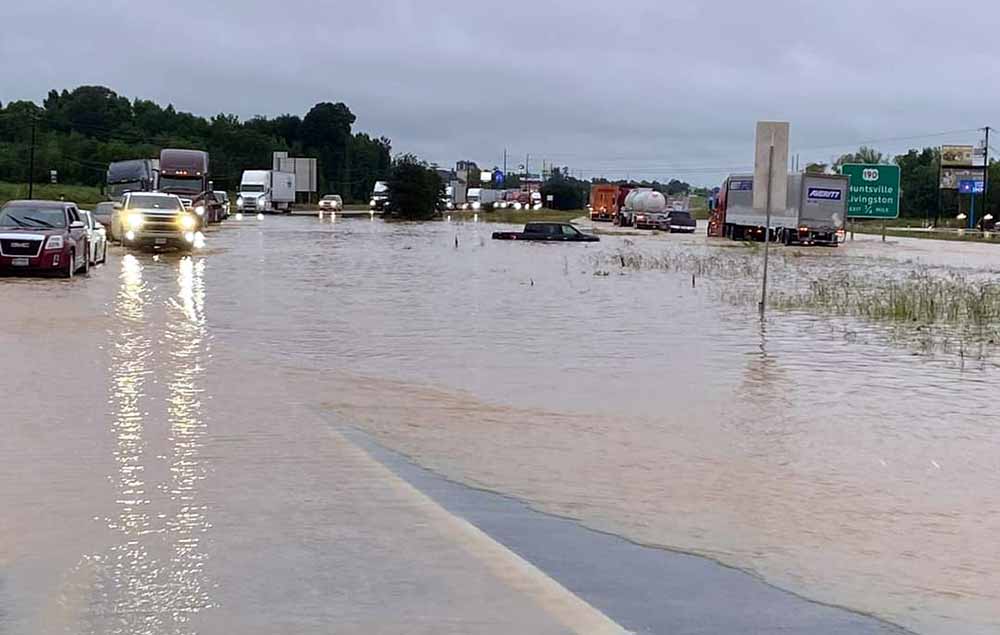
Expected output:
(842, 466)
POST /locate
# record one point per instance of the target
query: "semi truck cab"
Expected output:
(184, 173)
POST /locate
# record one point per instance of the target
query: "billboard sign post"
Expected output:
(770, 182)
(874, 190)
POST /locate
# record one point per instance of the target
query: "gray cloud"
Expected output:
(653, 89)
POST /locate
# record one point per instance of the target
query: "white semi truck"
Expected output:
(266, 191)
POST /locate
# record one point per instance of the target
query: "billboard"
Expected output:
(957, 156)
(951, 177)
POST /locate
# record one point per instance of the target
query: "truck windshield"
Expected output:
(251, 187)
(115, 190)
(32, 217)
(180, 183)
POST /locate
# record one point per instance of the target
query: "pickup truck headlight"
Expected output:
(135, 221)
(187, 222)
(54, 242)
(200, 210)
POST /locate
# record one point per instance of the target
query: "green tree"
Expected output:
(816, 168)
(863, 155)
(326, 133)
(415, 189)
(567, 193)
(918, 180)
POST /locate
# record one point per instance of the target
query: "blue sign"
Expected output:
(824, 194)
(498, 177)
(971, 186)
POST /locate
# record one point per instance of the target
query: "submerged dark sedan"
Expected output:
(43, 236)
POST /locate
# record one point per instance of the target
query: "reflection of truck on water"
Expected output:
(380, 196)
(266, 191)
(815, 211)
(185, 173)
(134, 175)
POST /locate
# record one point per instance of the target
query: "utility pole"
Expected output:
(505, 163)
(31, 160)
(986, 175)
(937, 212)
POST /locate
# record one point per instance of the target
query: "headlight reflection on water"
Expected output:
(153, 579)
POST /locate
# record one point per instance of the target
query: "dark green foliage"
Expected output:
(566, 192)
(415, 189)
(79, 132)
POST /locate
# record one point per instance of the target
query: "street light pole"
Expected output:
(986, 174)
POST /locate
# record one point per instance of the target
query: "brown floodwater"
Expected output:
(822, 453)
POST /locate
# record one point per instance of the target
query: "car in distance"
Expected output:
(97, 238)
(331, 203)
(677, 221)
(548, 232)
(43, 236)
(223, 198)
(104, 213)
(154, 219)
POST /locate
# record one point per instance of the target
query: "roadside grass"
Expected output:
(83, 195)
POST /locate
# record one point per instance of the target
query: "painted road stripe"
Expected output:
(519, 574)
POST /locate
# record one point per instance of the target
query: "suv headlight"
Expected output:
(54, 242)
(187, 222)
(200, 210)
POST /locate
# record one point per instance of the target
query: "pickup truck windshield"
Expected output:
(167, 203)
(32, 217)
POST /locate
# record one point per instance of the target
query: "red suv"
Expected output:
(47, 236)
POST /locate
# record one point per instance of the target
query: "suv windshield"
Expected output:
(38, 217)
(154, 202)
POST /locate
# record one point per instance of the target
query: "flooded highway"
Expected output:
(175, 457)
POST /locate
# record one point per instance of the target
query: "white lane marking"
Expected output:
(522, 576)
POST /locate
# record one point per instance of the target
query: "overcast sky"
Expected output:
(649, 89)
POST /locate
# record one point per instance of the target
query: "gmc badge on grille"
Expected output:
(20, 245)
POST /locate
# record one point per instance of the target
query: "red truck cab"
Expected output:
(43, 236)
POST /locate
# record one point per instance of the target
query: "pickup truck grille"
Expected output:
(19, 247)
(160, 223)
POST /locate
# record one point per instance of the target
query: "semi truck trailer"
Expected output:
(266, 191)
(815, 212)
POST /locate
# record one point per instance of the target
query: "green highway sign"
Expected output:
(874, 190)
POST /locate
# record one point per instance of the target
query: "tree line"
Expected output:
(79, 132)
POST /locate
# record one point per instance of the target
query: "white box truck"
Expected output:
(816, 210)
(266, 191)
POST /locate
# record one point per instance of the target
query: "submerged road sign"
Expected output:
(874, 190)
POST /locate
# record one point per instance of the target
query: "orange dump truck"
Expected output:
(604, 201)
